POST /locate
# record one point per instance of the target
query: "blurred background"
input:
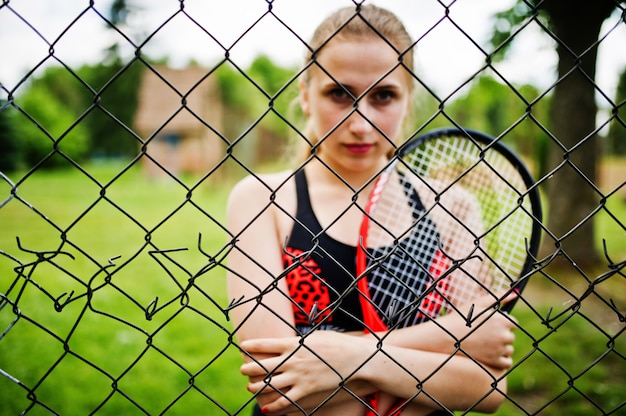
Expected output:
(124, 123)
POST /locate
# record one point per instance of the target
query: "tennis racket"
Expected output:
(454, 216)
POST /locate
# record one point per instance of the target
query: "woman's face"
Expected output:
(356, 140)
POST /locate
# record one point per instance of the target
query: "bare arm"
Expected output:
(266, 310)
(263, 308)
(487, 336)
(412, 375)
(489, 340)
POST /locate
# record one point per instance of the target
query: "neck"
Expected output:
(322, 173)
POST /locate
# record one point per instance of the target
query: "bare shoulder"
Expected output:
(260, 188)
(259, 195)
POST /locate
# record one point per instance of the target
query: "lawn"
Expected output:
(113, 302)
(120, 286)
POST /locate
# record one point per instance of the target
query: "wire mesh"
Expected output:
(113, 296)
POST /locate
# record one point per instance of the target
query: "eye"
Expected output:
(340, 95)
(383, 96)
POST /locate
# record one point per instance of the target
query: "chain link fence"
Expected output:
(115, 176)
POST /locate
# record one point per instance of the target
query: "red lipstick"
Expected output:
(359, 148)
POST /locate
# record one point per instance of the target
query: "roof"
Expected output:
(162, 93)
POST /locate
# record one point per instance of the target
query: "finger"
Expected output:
(254, 379)
(505, 359)
(266, 397)
(272, 346)
(510, 337)
(261, 367)
(501, 362)
(506, 321)
(286, 402)
(278, 383)
(257, 357)
(489, 300)
(513, 324)
(252, 370)
(509, 297)
(501, 297)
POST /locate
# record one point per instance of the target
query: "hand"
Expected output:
(299, 367)
(489, 339)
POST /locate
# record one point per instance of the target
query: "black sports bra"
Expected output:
(320, 272)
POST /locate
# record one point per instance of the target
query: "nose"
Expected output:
(359, 121)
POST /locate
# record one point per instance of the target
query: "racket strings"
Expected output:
(459, 166)
(404, 245)
(451, 223)
(506, 221)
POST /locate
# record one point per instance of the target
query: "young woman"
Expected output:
(293, 265)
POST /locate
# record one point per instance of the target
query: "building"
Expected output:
(178, 115)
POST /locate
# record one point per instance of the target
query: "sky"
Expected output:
(446, 58)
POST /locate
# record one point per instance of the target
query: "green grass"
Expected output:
(610, 224)
(139, 325)
(112, 270)
(574, 364)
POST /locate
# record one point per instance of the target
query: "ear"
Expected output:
(304, 98)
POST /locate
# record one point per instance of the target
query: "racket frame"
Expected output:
(371, 318)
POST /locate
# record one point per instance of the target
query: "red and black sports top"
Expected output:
(320, 272)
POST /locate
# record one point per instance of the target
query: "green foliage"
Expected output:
(119, 11)
(89, 112)
(258, 109)
(86, 113)
(232, 86)
(271, 77)
(180, 350)
(9, 151)
(111, 101)
(506, 23)
(45, 127)
(556, 364)
(281, 90)
(577, 25)
(495, 108)
(265, 88)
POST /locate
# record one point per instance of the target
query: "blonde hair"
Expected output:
(350, 23)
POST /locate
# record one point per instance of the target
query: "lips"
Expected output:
(359, 148)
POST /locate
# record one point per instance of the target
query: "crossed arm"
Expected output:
(419, 364)
(427, 365)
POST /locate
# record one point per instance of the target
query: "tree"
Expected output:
(118, 16)
(9, 152)
(272, 79)
(112, 101)
(103, 97)
(252, 98)
(494, 108)
(45, 127)
(574, 156)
